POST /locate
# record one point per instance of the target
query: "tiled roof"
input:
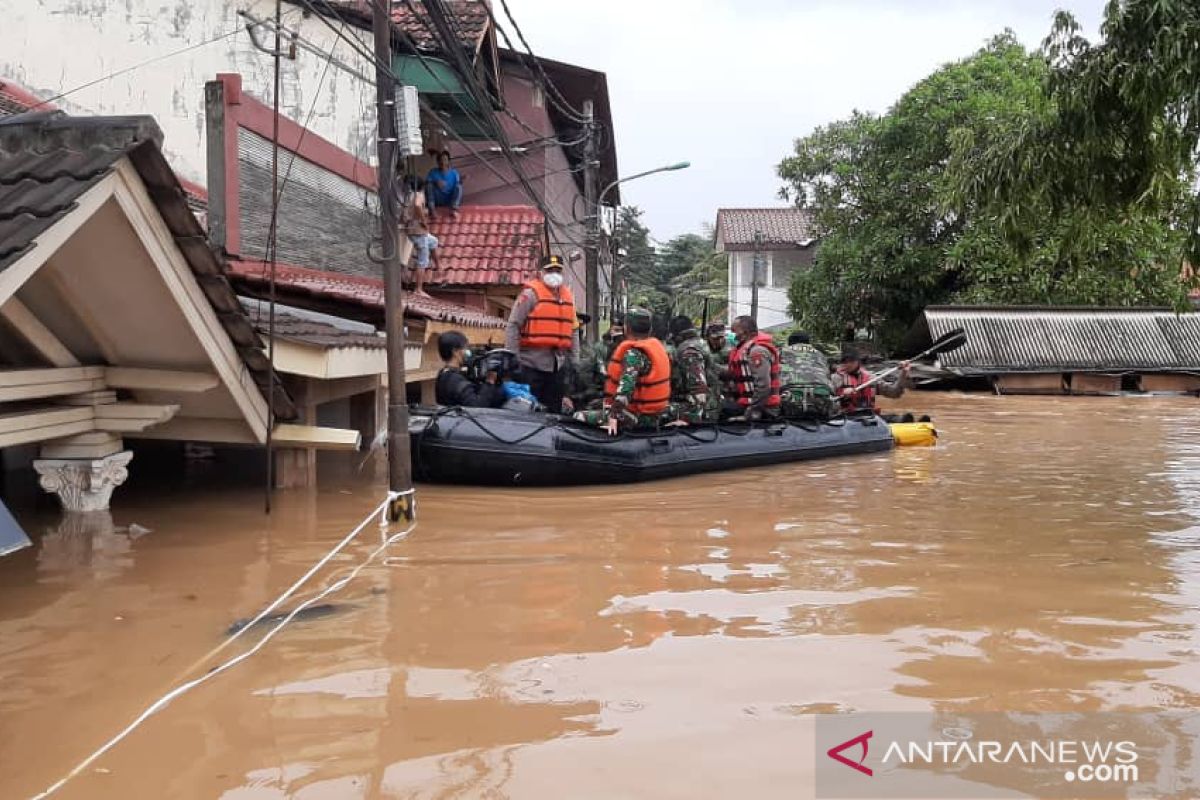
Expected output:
(15, 100)
(791, 227)
(365, 292)
(489, 245)
(313, 329)
(47, 162)
(470, 18)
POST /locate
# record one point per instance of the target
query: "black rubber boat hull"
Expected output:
(504, 448)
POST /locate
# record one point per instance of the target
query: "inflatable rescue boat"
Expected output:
(506, 448)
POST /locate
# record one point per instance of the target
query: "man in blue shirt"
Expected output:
(443, 186)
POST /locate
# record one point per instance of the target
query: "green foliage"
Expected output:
(676, 278)
(906, 221)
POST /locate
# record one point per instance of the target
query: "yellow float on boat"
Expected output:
(914, 434)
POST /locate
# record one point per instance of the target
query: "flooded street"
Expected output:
(667, 640)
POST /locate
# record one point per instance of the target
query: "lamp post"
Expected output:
(593, 246)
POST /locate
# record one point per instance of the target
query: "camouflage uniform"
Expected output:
(720, 357)
(807, 388)
(634, 364)
(695, 382)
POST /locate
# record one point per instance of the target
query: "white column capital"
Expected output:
(83, 484)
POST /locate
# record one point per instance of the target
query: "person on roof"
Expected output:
(424, 243)
(443, 186)
(850, 375)
(637, 388)
(543, 331)
(453, 388)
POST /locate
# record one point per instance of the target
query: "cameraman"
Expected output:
(453, 388)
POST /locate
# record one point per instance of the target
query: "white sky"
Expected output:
(730, 84)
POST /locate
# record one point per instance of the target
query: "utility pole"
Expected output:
(592, 237)
(756, 276)
(399, 463)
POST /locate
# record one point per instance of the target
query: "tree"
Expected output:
(1124, 137)
(675, 278)
(901, 228)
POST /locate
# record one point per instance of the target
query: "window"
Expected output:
(539, 96)
(785, 263)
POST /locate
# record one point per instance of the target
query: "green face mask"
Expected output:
(466, 353)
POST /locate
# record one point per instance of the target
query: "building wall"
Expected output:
(52, 46)
(488, 179)
(772, 296)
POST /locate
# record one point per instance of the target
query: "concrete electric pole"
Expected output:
(399, 462)
(592, 237)
(756, 274)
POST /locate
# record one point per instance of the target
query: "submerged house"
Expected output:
(783, 239)
(117, 321)
(1068, 350)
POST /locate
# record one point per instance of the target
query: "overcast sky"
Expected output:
(730, 84)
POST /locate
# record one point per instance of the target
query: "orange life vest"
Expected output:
(551, 322)
(860, 400)
(741, 379)
(654, 388)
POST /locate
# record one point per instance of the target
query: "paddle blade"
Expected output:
(947, 342)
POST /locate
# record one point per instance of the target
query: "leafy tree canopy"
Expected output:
(904, 223)
(677, 276)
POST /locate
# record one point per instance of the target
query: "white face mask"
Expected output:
(553, 279)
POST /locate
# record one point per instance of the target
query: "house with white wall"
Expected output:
(784, 237)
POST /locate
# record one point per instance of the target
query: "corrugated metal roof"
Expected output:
(1067, 339)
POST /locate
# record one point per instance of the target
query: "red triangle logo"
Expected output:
(835, 752)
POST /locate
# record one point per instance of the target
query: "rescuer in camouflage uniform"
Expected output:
(695, 377)
(634, 365)
(807, 388)
(593, 364)
(717, 344)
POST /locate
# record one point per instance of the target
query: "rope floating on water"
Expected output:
(184, 688)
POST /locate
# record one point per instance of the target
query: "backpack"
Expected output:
(807, 387)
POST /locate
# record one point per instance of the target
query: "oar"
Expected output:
(943, 344)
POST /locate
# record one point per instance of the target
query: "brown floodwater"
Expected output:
(667, 640)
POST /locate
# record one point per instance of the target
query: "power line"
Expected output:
(137, 66)
(551, 90)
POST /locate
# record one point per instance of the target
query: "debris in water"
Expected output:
(312, 612)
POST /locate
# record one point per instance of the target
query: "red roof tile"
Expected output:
(470, 18)
(787, 227)
(489, 245)
(366, 292)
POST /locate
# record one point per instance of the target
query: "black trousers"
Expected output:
(547, 387)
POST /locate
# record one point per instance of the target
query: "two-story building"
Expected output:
(155, 58)
(784, 239)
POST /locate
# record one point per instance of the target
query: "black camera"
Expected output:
(502, 362)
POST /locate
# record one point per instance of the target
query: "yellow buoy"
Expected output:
(914, 434)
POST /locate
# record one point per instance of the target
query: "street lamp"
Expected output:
(669, 168)
(594, 236)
